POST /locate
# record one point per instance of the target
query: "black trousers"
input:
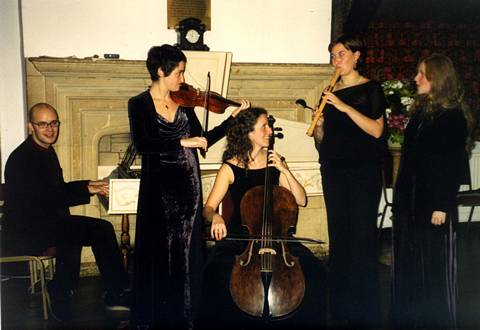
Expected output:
(77, 231)
(352, 196)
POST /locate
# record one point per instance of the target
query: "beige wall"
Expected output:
(258, 31)
(12, 98)
(265, 31)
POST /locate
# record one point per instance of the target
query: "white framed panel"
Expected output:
(123, 196)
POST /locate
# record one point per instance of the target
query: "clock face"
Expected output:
(192, 36)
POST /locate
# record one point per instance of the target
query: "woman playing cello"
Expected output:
(245, 161)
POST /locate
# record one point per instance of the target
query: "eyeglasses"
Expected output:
(44, 124)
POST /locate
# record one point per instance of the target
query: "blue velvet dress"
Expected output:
(168, 254)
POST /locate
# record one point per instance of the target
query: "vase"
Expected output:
(395, 150)
(395, 140)
(394, 144)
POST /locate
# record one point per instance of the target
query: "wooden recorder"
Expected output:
(329, 88)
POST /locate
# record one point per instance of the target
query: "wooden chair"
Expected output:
(41, 268)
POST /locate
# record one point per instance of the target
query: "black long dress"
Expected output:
(424, 261)
(218, 311)
(168, 255)
(351, 179)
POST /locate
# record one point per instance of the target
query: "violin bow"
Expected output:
(205, 113)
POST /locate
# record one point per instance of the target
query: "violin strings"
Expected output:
(192, 78)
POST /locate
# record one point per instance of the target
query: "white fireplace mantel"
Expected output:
(91, 97)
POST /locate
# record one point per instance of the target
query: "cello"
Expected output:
(266, 280)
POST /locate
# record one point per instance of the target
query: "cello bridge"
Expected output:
(267, 250)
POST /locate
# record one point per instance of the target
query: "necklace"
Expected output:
(258, 157)
(158, 97)
(161, 102)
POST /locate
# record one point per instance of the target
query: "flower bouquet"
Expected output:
(400, 96)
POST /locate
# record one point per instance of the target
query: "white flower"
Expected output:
(405, 100)
(398, 92)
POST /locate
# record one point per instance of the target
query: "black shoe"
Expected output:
(117, 302)
(61, 307)
(60, 302)
(58, 294)
(61, 312)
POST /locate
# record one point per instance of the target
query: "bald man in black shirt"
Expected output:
(37, 215)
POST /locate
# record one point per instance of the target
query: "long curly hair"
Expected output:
(238, 143)
(447, 92)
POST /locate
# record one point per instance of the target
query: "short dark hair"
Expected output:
(166, 58)
(40, 105)
(353, 43)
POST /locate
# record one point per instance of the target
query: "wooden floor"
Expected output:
(21, 311)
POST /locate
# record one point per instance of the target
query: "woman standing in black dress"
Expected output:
(168, 256)
(432, 167)
(351, 146)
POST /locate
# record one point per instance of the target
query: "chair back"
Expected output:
(227, 208)
(466, 175)
(2, 201)
(2, 197)
(2, 214)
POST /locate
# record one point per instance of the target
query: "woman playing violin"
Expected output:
(168, 248)
(245, 160)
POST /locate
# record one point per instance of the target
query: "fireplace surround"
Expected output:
(91, 98)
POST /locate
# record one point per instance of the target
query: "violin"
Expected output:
(266, 280)
(189, 96)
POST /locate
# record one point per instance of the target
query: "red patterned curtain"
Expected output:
(393, 50)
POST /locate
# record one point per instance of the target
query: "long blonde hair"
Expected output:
(447, 92)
